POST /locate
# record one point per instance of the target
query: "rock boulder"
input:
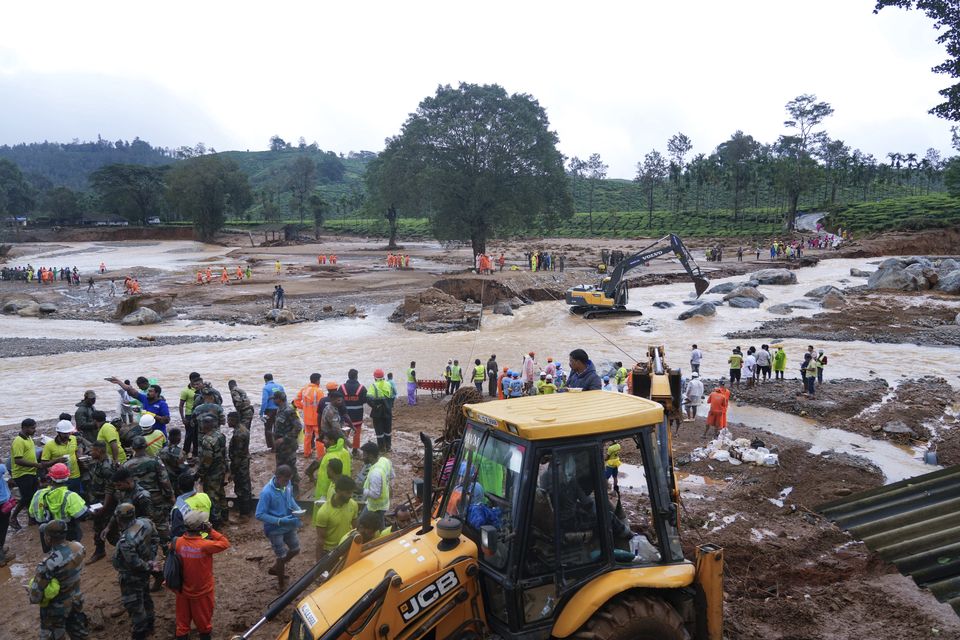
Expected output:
(47, 308)
(503, 308)
(280, 316)
(949, 283)
(820, 292)
(780, 309)
(860, 273)
(745, 292)
(704, 310)
(662, 305)
(13, 306)
(726, 287)
(743, 303)
(896, 278)
(31, 310)
(947, 265)
(143, 315)
(774, 276)
(898, 427)
(834, 300)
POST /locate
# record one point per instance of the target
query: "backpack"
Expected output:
(173, 570)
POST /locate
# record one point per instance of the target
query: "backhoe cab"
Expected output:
(528, 541)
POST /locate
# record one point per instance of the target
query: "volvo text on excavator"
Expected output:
(609, 297)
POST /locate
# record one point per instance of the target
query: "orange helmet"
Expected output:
(378, 373)
(59, 472)
(332, 386)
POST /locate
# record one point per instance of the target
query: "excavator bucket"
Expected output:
(700, 284)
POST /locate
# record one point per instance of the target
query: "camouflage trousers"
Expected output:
(213, 487)
(135, 597)
(289, 458)
(246, 418)
(160, 515)
(64, 618)
(240, 470)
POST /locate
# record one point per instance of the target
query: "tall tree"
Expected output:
(16, 195)
(318, 207)
(650, 173)
(805, 115)
(577, 169)
(205, 189)
(278, 144)
(478, 161)
(945, 15)
(678, 146)
(301, 179)
(129, 190)
(735, 157)
(836, 160)
(596, 171)
(63, 204)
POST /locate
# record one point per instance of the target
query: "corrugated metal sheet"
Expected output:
(914, 524)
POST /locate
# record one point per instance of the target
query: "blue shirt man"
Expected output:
(266, 400)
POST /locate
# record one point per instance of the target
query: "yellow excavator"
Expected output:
(610, 296)
(523, 540)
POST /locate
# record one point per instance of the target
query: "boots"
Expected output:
(99, 554)
(388, 441)
(381, 443)
(277, 568)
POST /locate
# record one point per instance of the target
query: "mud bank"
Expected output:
(20, 347)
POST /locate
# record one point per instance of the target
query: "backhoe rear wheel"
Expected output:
(633, 617)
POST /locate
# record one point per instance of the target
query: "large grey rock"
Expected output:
(780, 309)
(803, 304)
(898, 427)
(32, 310)
(663, 305)
(924, 263)
(726, 287)
(834, 300)
(745, 292)
(744, 303)
(947, 265)
(515, 302)
(774, 276)
(949, 283)
(48, 307)
(12, 306)
(897, 279)
(280, 316)
(891, 263)
(820, 292)
(704, 310)
(503, 308)
(143, 315)
(860, 273)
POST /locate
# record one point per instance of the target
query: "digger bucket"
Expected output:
(700, 284)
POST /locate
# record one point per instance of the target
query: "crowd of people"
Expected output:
(205, 276)
(540, 260)
(41, 275)
(398, 261)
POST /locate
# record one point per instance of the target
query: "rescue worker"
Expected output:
(63, 448)
(336, 450)
(503, 377)
(493, 383)
(135, 561)
(538, 384)
(479, 375)
(24, 467)
(308, 401)
(456, 376)
(446, 376)
(109, 435)
(285, 430)
(354, 397)
(334, 416)
(209, 406)
(268, 408)
(821, 361)
(718, 409)
(779, 363)
(241, 404)
(620, 377)
(57, 502)
(188, 398)
(548, 386)
(693, 396)
(195, 601)
(172, 456)
(189, 500)
(276, 509)
(515, 386)
(212, 467)
(239, 452)
(380, 399)
(376, 486)
(528, 372)
(412, 384)
(101, 474)
(154, 437)
(151, 475)
(84, 416)
(124, 488)
(336, 517)
(56, 585)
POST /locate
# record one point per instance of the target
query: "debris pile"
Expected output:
(434, 311)
(740, 451)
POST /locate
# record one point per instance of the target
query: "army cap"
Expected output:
(125, 511)
(139, 442)
(279, 395)
(54, 529)
(89, 393)
(208, 418)
(207, 390)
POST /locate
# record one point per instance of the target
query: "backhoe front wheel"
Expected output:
(633, 617)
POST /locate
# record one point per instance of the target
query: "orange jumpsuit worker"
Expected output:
(199, 277)
(718, 409)
(209, 275)
(308, 400)
(503, 374)
(726, 393)
(239, 273)
(196, 599)
(224, 278)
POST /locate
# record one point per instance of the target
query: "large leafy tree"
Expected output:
(205, 189)
(478, 161)
(129, 190)
(946, 18)
(301, 179)
(596, 171)
(16, 195)
(806, 114)
(63, 204)
(736, 160)
(650, 173)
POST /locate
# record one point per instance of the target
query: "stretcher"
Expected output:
(437, 388)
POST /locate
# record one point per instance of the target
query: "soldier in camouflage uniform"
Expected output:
(102, 469)
(212, 467)
(84, 416)
(242, 404)
(286, 428)
(209, 406)
(240, 463)
(135, 560)
(152, 476)
(61, 608)
(172, 456)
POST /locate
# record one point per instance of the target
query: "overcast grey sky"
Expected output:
(616, 78)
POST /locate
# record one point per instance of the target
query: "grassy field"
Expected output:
(934, 211)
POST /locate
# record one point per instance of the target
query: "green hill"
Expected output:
(934, 211)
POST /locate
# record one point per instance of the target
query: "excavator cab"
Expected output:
(527, 539)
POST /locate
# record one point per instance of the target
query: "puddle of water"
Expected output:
(15, 571)
(895, 462)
